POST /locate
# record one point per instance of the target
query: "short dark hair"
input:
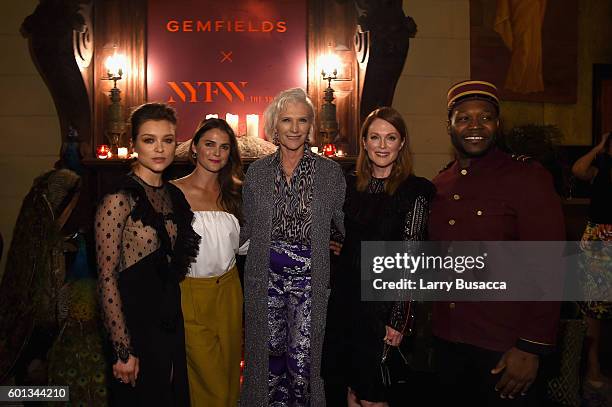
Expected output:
(150, 111)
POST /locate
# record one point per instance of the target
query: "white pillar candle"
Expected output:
(122, 152)
(212, 116)
(314, 149)
(252, 124)
(232, 120)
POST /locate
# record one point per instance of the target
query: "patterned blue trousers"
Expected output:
(289, 303)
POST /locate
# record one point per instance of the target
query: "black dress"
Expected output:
(144, 243)
(355, 329)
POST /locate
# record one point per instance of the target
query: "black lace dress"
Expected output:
(355, 330)
(144, 244)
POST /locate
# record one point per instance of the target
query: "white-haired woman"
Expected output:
(290, 199)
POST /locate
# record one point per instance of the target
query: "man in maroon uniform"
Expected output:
(488, 353)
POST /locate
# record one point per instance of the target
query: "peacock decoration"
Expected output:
(76, 358)
(50, 330)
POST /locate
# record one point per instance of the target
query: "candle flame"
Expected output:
(116, 65)
(330, 64)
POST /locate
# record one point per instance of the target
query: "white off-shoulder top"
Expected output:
(220, 233)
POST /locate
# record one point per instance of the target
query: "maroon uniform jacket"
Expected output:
(497, 198)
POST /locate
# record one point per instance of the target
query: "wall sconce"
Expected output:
(329, 123)
(115, 68)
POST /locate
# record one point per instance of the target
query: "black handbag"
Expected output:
(394, 367)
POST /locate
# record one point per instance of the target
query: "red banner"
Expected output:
(210, 57)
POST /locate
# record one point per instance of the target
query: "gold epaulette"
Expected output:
(521, 157)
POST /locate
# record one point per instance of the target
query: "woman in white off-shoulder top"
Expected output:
(211, 292)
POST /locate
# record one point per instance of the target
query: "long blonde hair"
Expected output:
(402, 167)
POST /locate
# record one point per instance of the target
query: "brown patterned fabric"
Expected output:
(35, 267)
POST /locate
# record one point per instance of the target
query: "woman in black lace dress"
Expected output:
(384, 201)
(144, 243)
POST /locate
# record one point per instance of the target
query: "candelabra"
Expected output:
(116, 123)
(329, 123)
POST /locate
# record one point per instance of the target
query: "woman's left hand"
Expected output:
(127, 372)
(392, 337)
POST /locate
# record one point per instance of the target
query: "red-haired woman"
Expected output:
(384, 201)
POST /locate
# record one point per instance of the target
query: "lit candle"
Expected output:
(252, 125)
(134, 155)
(340, 153)
(212, 116)
(329, 150)
(115, 65)
(232, 120)
(103, 152)
(314, 149)
(122, 152)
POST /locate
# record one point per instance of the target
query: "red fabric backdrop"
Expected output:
(210, 56)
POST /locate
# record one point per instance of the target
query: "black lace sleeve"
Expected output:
(111, 217)
(415, 229)
(415, 224)
(335, 234)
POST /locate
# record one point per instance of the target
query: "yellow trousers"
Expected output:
(212, 309)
